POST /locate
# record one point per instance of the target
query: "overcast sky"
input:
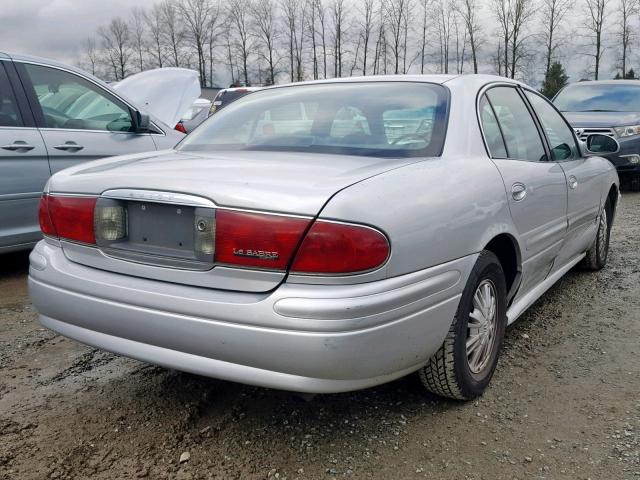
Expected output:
(54, 28)
(57, 28)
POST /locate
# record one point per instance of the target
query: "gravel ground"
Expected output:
(564, 402)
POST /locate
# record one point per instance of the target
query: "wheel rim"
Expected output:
(481, 326)
(602, 236)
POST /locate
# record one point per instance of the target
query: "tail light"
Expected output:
(256, 239)
(70, 218)
(340, 248)
(270, 241)
(180, 127)
(235, 238)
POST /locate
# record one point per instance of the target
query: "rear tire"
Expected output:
(463, 366)
(596, 257)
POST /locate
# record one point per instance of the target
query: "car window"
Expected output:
(385, 119)
(9, 113)
(518, 128)
(69, 101)
(559, 134)
(491, 130)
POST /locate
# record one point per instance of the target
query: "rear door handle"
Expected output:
(518, 191)
(69, 146)
(18, 145)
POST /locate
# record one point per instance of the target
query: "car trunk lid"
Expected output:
(168, 195)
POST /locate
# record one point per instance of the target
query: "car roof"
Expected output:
(473, 82)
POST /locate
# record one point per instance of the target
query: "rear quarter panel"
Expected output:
(432, 211)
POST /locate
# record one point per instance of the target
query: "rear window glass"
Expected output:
(384, 119)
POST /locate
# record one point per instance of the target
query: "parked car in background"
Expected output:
(330, 236)
(53, 116)
(229, 95)
(607, 107)
(197, 113)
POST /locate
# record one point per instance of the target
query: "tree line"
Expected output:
(263, 42)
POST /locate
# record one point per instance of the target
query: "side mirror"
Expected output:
(141, 122)
(600, 145)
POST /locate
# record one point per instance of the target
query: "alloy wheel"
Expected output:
(481, 327)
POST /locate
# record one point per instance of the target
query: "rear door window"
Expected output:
(519, 130)
(491, 130)
(9, 113)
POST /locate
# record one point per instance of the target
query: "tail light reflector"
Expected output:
(339, 248)
(70, 218)
(257, 240)
(44, 217)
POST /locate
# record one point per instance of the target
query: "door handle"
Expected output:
(518, 191)
(573, 182)
(69, 146)
(18, 145)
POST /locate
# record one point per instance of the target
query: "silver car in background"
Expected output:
(330, 236)
(53, 116)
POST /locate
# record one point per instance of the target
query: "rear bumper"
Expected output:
(307, 338)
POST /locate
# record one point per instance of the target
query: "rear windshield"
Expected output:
(599, 98)
(386, 119)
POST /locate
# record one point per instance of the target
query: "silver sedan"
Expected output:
(330, 236)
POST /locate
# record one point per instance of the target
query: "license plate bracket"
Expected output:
(161, 234)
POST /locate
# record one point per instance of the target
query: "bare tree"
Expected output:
(266, 33)
(294, 16)
(522, 13)
(595, 17)
(380, 55)
(444, 25)
(213, 32)
(321, 11)
(395, 12)
(90, 55)
(553, 13)
(137, 26)
(173, 31)
(116, 39)
(469, 11)
(154, 20)
(503, 14)
(461, 43)
(312, 35)
(367, 27)
(239, 18)
(196, 16)
(627, 9)
(338, 14)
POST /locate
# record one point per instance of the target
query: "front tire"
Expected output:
(596, 257)
(464, 364)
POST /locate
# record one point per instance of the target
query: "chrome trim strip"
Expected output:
(265, 212)
(20, 196)
(74, 194)
(156, 196)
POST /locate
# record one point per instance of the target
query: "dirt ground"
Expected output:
(564, 403)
